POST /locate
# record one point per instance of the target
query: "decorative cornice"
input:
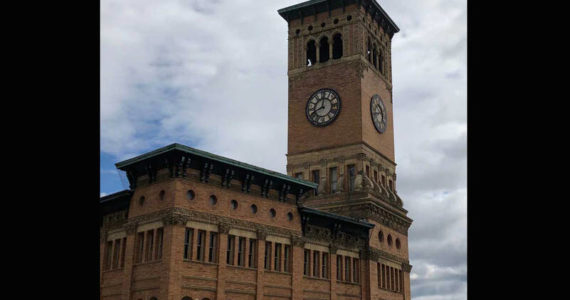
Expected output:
(130, 227)
(297, 241)
(224, 228)
(376, 254)
(180, 214)
(406, 267)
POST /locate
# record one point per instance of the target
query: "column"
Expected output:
(174, 230)
(131, 230)
(223, 230)
(261, 236)
(297, 261)
(333, 267)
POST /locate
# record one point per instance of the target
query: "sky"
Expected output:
(212, 74)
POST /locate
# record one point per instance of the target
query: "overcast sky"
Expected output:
(212, 74)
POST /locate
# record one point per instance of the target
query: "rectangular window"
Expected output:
(149, 244)
(400, 280)
(379, 275)
(252, 259)
(334, 180)
(306, 258)
(351, 177)
(391, 278)
(396, 281)
(346, 268)
(277, 257)
(188, 236)
(108, 252)
(368, 171)
(383, 276)
(339, 267)
(299, 175)
(267, 259)
(325, 265)
(123, 252)
(213, 249)
(241, 251)
(316, 260)
(287, 259)
(355, 275)
(375, 176)
(140, 247)
(159, 234)
(116, 254)
(230, 251)
(316, 179)
(384, 180)
(200, 244)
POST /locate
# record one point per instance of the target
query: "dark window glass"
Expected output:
(230, 251)
(351, 177)
(267, 259)
(287, 258)
(338, 267)
(140, 247)
(325, 266)
(241, 251)
(306, 262)
(316, 179)
(159, 235)
(188, 236)
(213, 249)
(346, 268)
(311, 53)
(316, 260)
(324, 49)
(200, 244)
(149, 245)
(277, 258)
(252, 259)
(337, 46)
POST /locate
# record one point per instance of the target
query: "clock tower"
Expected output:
(340, 118)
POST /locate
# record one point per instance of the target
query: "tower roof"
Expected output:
(313, 7)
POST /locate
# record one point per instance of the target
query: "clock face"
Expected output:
(378, 113)
(323, 107)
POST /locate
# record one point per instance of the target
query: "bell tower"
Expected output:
(340, 121)
(341, 129)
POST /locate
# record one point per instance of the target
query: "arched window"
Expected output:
(374, 56)
(311, 53)
(381, 63)
(186, 298)
(337, 46)
(369, 50)
(324, 49)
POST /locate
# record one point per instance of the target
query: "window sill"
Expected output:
(348, 282)
(148, 262)
(394, 292)
(113, 270)
(200, 262)
(241, 267)
(316, 278)
(276, 272)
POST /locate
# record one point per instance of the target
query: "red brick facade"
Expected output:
(198, 226)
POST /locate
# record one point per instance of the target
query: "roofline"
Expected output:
(313, 2)
(335, 216)
(123, 164)
(114, 196)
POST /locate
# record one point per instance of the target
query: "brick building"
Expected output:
(194, 225)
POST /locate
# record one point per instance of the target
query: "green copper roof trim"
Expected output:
(314, 2)
(123, 164)
(335, 216)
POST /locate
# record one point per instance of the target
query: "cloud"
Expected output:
(213, 75)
